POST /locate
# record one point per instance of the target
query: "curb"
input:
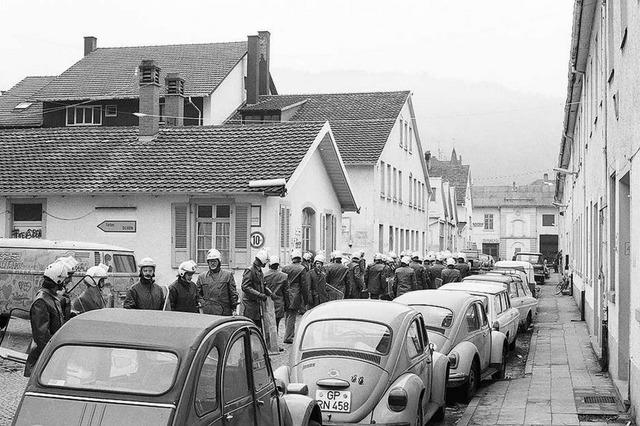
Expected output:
(468, 412)
(528, 368)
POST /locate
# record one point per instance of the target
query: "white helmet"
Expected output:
(213, 254)
(320, 258)
(451, 261)
(57, 271)
(296, 253)
(416, 255)
(439, 256)
(357, 254)
(431, 257)
(187, 267)
(336, 254)
(95, 274)
(69, 261)
(262, 256)
(393, 255)
(274, 260)
(147, 261)
(377, 256)
(307, 255)
(405, 259)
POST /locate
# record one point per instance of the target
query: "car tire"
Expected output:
(527, 324)
(512, 345)
(499, 375)
(420, 414)
(470, 388)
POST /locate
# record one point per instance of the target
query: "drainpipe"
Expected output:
(199, 112)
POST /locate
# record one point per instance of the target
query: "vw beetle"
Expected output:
(368, 362)
(457, 323)
(117, 367)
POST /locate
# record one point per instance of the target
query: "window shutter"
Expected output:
(241, 235)
(180, 234)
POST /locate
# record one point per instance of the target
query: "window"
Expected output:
(161, 111)
(410, 190)
(206, 399)
(124, 263)
(389, 178)
(482, 315)
(261, 375)
(87, 115)
(308, 229)
(395, 184)
(381, 238)
(328, 232)
(235, 383)
(410, 139)
(382, 179)
(488, 221)
(111, 111)
(260, 118)
(406, 135)
(347, 334)
(23, 105)
(213, 226)
(473, 322)
(548, 220)
(27, 220)
(284, 219)
(497, 306)
(401, 134)
(414, 341)
(400, 185)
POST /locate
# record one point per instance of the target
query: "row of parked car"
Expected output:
(352, 361)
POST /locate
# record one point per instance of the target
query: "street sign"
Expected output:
(118, 226)
(257, 239)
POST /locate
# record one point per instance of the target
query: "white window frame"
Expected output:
(84, 107)
(12, 222)
(488, 217)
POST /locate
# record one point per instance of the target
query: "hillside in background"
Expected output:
(504, 135)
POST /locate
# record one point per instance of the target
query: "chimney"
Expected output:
(149, 103)
(174, 100)
(252, 83)
(427, 159)
(90, 44)
(515, 188)
(545, 177)
(264, 50)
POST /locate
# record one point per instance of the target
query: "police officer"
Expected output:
(421, 273)
(307, 260)
(355, 277)
(46, 312)
(298, 293)
(254, 292)
(462, 265)
(437, 268)
(217, 288)
(375, 277)
(317, 282)
(337, 274)
(145, 294)
(276, 282)
(404, 279)
(183, 292)
(91, 298)
(450, 274)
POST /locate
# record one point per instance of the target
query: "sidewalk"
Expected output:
(563, 384)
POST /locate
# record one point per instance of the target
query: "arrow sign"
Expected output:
(118, 226)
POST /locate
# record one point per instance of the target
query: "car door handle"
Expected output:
(228, 417)
(260, 402)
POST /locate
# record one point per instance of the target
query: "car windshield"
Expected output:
(531, 258)
(436, 318)
(110, 369)
(347, 334)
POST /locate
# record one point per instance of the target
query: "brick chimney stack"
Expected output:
(149, 103)
(174, 100)
(545, 177)
(90, 44)
(252, 84)
(264, 54)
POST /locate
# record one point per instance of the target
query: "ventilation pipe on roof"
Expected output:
(149, 103)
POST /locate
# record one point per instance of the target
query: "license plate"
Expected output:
(334, 401)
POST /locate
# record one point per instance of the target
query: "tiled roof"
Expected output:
(361, 122)
(110, 73)
(455, 173)
(509, 195)
(23, 92)
(185, 160)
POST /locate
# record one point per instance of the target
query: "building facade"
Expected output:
(596, 183)
(510, 219)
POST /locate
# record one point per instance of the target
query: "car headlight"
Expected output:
(453, 360)
(397, 399)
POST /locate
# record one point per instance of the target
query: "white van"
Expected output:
(22, 263)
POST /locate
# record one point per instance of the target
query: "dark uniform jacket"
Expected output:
(145, 294)
(436, 272)
(375, 277)
(404, 280)
(450, 275)
(46, 318)
(337, 277)
(421, 275)
(317, 283)
(218, 292)
(355, 278)
(253, 291)
(463, 268)
(298, 293)
(277, 282)
(89, 300)
(183, 296)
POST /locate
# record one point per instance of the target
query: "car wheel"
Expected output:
(512, 345)
(503, 365)
(420, 414)
(469, 390)
(438, 415)
(527, 324)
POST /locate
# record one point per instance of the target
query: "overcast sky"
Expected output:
(483, 72)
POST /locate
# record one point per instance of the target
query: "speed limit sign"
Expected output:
(257, 239)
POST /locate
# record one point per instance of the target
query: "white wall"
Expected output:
(227, 97)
